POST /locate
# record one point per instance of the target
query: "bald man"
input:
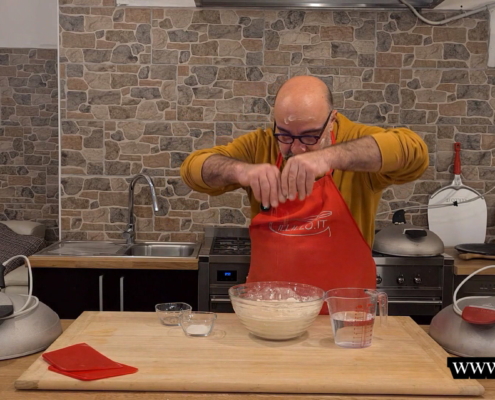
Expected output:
(280, 168)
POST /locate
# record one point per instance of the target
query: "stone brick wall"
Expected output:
(143, 87)
(29, 137)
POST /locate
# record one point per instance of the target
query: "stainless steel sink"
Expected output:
(69, 248)
(163, 249)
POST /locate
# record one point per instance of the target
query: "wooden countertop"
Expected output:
(114, 262)
(466, 267)
(10, 370)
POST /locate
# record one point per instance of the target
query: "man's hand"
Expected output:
(300, 173)
(264, 180)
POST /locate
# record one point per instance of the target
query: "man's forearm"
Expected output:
(357, 155)
(219, 171)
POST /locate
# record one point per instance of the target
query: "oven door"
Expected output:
(414, 306)
(224, 275)
(480, 285)
(220, 304)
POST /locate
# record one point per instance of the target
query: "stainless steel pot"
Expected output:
(407, 240)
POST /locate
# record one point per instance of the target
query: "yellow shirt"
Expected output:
(404, 159)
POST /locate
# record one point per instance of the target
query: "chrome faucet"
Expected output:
(129, 233)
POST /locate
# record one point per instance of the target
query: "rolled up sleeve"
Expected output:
(404, 157)
(242, 149)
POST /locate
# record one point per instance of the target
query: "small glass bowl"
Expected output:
(197, 323)
(169, 312)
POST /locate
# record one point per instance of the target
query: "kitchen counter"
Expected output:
(106, 255)
(182, 263)
(10, 370)
(466, 267)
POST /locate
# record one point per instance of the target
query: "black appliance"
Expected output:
(223, 262)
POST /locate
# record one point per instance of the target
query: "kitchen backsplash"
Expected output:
(29, 187)
(143, 87)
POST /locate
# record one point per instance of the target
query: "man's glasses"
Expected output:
(308, 140)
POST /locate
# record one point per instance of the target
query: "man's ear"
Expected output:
(334, 115)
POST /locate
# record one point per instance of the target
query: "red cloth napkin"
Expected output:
(83, 362)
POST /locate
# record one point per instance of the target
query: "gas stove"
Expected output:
(229, 246)
(226, 245)
(416, 286)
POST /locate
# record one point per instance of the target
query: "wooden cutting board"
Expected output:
(403, 359)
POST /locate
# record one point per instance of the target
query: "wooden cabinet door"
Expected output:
(70, 291)
(141, 290)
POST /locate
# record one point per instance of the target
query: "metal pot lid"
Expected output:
(459, 337)
(407, 240)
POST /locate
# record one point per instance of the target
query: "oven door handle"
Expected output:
(216, 300)
(415, 302)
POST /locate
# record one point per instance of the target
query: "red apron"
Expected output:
(315, 241)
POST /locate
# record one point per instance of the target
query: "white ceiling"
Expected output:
(462, 4)
(28, 23)
(446, 5)
(156, 3)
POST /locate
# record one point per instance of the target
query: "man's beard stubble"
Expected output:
(288, 155)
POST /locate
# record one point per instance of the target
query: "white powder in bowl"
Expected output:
(277, 319)
(197, 330)
(277, 312)
(289, 300)
(281, 309)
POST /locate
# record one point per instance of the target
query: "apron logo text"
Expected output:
(313, 225)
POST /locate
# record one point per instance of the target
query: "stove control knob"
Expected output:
(401, 280)
(417, 280)
(379, 279)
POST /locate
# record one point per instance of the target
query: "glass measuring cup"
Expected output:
(352, 315)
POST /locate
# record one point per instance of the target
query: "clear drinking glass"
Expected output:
(197, 323)
(169, 312)
(352, 315)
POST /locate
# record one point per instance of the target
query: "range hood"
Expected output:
(383, 4)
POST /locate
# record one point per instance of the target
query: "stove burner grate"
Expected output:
(231, 246)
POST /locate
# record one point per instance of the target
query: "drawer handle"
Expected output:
(121, 293)
(436, 302)
(100, 291)
(220, 300)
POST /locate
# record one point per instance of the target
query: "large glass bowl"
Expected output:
(276, 310)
